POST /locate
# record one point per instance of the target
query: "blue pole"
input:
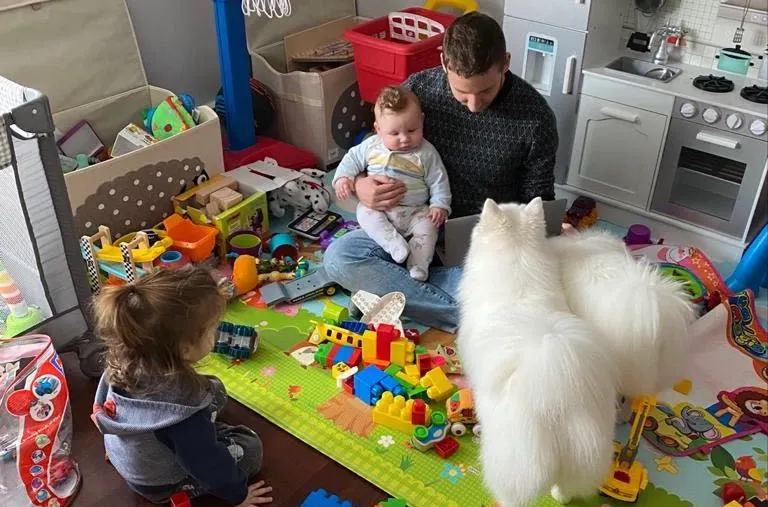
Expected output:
(234, 63)
(752, 269)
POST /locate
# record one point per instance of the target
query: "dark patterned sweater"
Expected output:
(506, 152)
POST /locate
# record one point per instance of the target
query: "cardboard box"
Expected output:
(96, 74)
(318, 111)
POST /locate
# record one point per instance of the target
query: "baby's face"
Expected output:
(401, 130)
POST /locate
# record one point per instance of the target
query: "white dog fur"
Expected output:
(545, 391)
(642, 316)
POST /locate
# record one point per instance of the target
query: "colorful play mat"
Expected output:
(304, 400)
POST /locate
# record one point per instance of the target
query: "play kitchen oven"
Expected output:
(713, 169)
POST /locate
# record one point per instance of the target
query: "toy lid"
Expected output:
(74, 51)
(263, 31)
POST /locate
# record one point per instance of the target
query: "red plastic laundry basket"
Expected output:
(390, 48)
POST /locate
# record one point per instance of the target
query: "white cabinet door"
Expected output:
(572, 14)
(616, 150)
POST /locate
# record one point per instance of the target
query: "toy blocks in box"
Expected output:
(248, 214)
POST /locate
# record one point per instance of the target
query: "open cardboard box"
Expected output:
(95, 73)
(318, 111)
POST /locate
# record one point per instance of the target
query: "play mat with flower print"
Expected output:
(305, 402)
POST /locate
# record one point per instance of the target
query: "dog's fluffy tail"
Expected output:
(553, 423)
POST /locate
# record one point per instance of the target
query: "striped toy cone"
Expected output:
(11, 293)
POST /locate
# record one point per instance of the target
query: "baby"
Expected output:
(399, 150)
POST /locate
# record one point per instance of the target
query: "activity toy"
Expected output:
(344, 227)
(313, 225)
(170, 117)
(22, 316)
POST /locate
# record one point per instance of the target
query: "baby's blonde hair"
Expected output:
(149, 325)
(395, 99)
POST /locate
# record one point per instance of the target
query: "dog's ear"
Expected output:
(492, 212)
(535, 207)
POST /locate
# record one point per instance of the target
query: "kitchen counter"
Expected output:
(682, 85)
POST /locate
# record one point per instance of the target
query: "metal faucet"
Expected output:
(661, 35)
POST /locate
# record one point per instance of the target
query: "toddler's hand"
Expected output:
(257, 495)
(437, 216)
(344, 188)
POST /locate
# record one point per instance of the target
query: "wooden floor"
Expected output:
(293, 468)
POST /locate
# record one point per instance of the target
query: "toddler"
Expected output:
(399, 150)
(157, 414)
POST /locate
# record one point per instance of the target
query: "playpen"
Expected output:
(45, 284)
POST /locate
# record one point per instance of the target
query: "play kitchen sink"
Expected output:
(642, 68)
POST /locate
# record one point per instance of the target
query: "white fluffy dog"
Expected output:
(544, 389)
(642, 316)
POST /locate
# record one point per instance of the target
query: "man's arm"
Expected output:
(436, 179)
(537, 176)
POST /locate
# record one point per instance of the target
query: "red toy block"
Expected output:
(385, 335)
(427, 362)
(419, 413)
(413, 335)
(446, 447)
(349, 385)
(355, 358)
(180, 499)
(329, 358)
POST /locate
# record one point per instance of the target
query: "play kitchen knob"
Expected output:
(688, 110)
(734, 121)
(757, 127)
(711, 115)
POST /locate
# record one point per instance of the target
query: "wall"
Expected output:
(707, 32)
(178, 45)
(376, 8)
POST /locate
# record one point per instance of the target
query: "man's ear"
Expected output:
(442, 61)
(507, 61)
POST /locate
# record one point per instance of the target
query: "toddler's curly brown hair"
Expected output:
(152, 326)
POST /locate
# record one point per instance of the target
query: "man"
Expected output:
(497, 138)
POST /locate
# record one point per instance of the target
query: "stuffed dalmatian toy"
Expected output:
(305, 192)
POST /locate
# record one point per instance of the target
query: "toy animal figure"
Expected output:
(308, 191)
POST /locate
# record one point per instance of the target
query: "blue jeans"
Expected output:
(356, 262)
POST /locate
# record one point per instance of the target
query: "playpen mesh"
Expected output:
(38, 244)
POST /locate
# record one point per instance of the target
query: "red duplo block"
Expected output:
(385, 335)
(180, 499)
(354, 358)
(331, 354)
(349, 385)
(446, 447)
(419, 413)
(425, 364)
(413, 335)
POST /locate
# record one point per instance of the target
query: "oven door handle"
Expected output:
(724, 142)
(618, 114)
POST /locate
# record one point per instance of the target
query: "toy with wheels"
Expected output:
(157, 242)
(460, 410)
(300, 289)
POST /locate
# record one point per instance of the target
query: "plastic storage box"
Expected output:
(391, 48)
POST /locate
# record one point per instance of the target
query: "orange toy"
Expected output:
(245, 274)
(194, 241)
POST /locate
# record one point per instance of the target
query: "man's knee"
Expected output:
(349, 248)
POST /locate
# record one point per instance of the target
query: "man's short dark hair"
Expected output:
(473, 44)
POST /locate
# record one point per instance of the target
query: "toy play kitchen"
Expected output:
(734, 60)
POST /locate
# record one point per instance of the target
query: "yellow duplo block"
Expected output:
(393, 412)
(684, 386)
(402, 352)
(437, 384)
(414, 381)
(369, 347)
(412, 370)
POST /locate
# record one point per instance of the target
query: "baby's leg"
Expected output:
(244, 445)
(422, 243)
(380, 229)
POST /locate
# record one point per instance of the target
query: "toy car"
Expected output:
(300, 289)
(460, 409)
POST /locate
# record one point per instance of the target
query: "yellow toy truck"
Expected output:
(460, 409)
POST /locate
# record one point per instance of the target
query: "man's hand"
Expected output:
(437, 216)
(257, 495)
(379, 193)
(344, 188)
(569, 230)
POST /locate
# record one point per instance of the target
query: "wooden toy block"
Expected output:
(684, 386)
(446, 448)
(212, 209)
(226, 198)
(203, 193)
(437, 384)
(394, 412)
(402, 352)
(420, 413)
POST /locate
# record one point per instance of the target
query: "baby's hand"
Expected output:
(437, 216)
(257, 495)
(344, 188)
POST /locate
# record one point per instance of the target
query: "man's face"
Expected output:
(477, 92)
